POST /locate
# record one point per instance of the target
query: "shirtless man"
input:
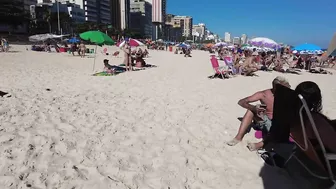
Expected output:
(82, 50)
(261, 114)
(249, 64)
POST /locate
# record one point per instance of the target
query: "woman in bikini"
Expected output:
(82, 50)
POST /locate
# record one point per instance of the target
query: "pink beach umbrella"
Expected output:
(132, 42)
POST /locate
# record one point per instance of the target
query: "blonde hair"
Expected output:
(281, 80)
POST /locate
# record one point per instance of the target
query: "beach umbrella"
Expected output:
(73, 40)
(220, 44)
(245, 45)
(307, 47)
(132, 43)
(183, 45)
(97, 37)
(264, 42)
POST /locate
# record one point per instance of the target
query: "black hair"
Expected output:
(311, 92)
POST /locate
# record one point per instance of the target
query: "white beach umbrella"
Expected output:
(263, 42)
(220, 44)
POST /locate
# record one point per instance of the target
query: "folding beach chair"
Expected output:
(284, 115)
(229, 62)
(217, 69)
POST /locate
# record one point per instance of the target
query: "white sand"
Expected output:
(159, 128)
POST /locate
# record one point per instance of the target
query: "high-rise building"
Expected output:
(227, 37)
(199, 29)
(159, 11)
(76, 13)
(115, 14)
(237, 41)
(125, 12)
(120, 14)
(158, 18)
(28, 3)
(172, 29)
(141, 17)
(95, 10)
(186, 23)
(244, 39)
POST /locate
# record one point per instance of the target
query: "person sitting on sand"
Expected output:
(111, 68)
(250, 64)
(261, 114)
(332, 62)
(145, 53)
(312, 94)
(139, 53)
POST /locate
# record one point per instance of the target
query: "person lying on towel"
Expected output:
(113, 68)
(261, 114)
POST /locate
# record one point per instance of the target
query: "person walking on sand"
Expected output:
(261, 114)
(127, 57)
(82, 50)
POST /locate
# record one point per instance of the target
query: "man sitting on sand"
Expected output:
(261, 114)
(249, 65)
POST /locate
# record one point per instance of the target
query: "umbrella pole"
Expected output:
(94, 60)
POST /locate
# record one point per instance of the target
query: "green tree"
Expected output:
(65, 21)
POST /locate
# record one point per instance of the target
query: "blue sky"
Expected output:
(289, 21)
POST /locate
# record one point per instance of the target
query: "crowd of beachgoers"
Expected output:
(276, 113)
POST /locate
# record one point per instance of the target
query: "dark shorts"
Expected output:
(264, 125)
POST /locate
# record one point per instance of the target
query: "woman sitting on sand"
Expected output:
(145, 53)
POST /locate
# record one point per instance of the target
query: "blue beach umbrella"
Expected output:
(182, 45)
(307, 47)
(73, 40)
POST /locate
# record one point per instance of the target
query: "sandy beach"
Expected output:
(160, 128)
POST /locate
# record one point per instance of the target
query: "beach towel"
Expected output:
(104, 73)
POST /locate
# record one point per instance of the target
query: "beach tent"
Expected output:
(43, 37)
(332, 47)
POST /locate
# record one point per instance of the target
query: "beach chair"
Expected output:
(229, 62)
(284, 116)
(217, 69)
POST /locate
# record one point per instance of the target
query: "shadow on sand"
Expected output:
(292, 176)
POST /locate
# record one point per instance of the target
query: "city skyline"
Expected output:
(290, 22)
